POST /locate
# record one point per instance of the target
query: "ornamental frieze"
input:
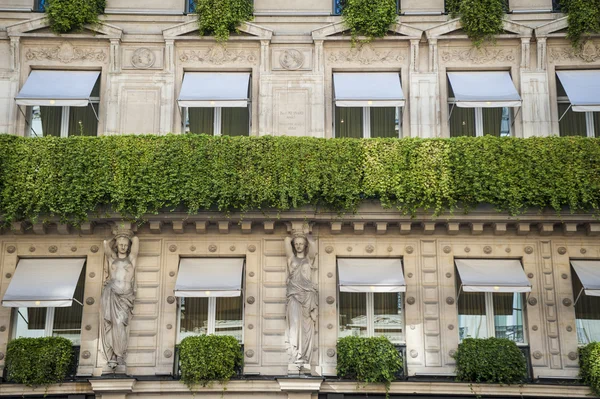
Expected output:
(589, 52)
(218, 55)
(366, 55)
(479, 56)
(65, 53)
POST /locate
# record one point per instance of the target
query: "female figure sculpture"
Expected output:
(302, 298)
(118, 295)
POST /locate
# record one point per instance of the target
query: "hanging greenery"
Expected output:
(583, 17)
(589, 366)
(67, 16)
(369, 18)
(481, 20)
(221, 17)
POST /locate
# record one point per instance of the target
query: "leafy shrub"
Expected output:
(39, 361)
(209, 358)
(480, 19)
(589, 366)
(71, 15)
(368, 360)
(220, 17)
(370, 18)
(583, 17)
(495, 360)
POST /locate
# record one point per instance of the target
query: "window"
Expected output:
(479, 103)
(367, 105)
(63, 316)
(39, 5)
(491, 299)
(556, 7)
(216, 103)
(371, 298)
(573, 119)
(190, 6)
(586, 291)
(210, 297)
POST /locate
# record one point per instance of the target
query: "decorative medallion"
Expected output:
(564, 276)
(251, 248)
(11, 249)
(329, 326)
(487, 249)
(452, 352)
(173, 248)
(251, 274)
(534, 328)
(171, 273)
(572, 355)
(2, 328)
(528, 250)
(1, 356)
(86, 355)
(507, 250)
(90, 301)
(88, 327)
(250, 300)
(567, 302)
(218, 55)
(467, 249)
(171, 300)
(73, 249)
(447, 249)
(450, 327)
(589, 52)
(409, 249)
(329, 249)
(168, 353)
(192, 248)
(562, 250)
(410, 300)
(8, 275)
(65, 53)
(390, 248)
(143, 58)
(169, 326)
(232, 248)
(52, 249)
(212, 248)
(366, 55)
(32, 249)
(329, 275)
(92, 274)
(330, 300)
(94, 248)
(583, 251)
(249, 353)
(331, 352)
(291, 59)
(410, 275)
(532, 301)
(478, 56)
(448, 275)
(349, 249)
(450, 300)
(250, 326)
(369, 249)
(569, 328)
(537, 355)
(530, 275)
(414, 353)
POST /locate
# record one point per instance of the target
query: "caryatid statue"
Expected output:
(302, 299)
(118, 295)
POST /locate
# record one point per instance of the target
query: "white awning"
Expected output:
(209, 277)
(492, 275)
(484, 89)
(588, 272)
(58, 88)
(371, 275)
(368, 90)
(43, 283)
(215, 89)
(583, 89)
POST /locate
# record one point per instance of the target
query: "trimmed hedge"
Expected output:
(494, 360)
(209, 358)
(368, 360)
(70, 178)
(38, 361)
(67, 16)
(589, 366)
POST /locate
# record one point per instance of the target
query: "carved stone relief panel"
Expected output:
(588, 53)
(218, 54)
(291, 59)
(478, 56)
(143, 58)
(367, 54)
(66, 53)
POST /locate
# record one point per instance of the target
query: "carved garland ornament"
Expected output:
(217, 55)
(65, 53)
(366, 55)
(589, 52)
(478, 56)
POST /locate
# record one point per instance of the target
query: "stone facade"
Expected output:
(291, 51)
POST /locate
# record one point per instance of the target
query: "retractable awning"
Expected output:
(368, 90)
(371, 275)
(588, 272)
(209, 277)
(58, 88)
(492, 275)
(583, 89)
(217, 89)
(484, 89)
(43, 283)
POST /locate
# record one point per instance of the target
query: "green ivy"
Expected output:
(494, 360)
(38, 361)
(481, 20)
(589, 366)
(77, 177)
(208, 358)
(583, 17)
(368, 360)
(220, 17)
(369, 18)
(72, 15)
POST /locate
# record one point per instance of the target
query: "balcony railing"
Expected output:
(338, 6)
(39, 6)
(527, 354)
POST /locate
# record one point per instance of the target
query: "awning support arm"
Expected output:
(77, 301)
(526, 300)
(578, 296)
(451, 109)
(23, 317)
(94, 109)
(459, 291)
(27, 122)
(559, 119)
(514, 119)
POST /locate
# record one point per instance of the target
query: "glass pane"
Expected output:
(45, 121)
(201, 120)
(596, 124)
(384, 122)
(353, 314)
(193, 317)
(388, 320)
(587, 314)
(30, 322)
(496, 121)
(508, 316)
(235, 121)
(67, 321)
(228, 318)
(472, 320)
(83, 121)
(462, 121)
(348, 122)
(572, 123)
(96, 90)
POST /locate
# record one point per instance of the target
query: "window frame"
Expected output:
(589, 116)
(366, 121)
(478, 117)
(217, 114)
(211, 314)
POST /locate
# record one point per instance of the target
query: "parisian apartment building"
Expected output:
(425, 281)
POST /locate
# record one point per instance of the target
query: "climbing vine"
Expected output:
(583, 17)
(369, 18)
(67, 16)
(221, 17)
(480, 19)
